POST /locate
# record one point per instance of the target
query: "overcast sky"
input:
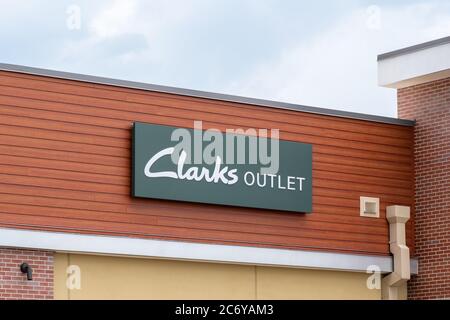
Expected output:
(319, 53)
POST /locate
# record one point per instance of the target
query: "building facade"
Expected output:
(422, 80)
(69, 208)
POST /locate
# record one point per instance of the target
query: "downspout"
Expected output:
(394, 285)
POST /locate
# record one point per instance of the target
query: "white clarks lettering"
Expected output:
(166, 174)
(220, 174)
(223, 175)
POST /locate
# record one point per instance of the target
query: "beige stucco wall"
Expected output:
(104, 277)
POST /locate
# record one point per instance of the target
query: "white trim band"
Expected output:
(421, 64)
(162, 249)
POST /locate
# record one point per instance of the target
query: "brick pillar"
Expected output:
(14, 284)
(429, 105)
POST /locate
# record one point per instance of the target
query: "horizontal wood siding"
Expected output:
(65, 166)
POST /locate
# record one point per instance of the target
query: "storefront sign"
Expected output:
(221, 168)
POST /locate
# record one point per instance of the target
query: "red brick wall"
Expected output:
(14, 284)
(429, 104)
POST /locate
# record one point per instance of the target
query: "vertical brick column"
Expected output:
(429, 104)
(14, 284)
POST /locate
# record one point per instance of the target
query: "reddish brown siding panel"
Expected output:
(65, 166)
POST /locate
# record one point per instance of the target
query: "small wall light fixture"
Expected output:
(26, 268)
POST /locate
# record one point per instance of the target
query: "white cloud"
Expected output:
(337, 69)
(115, 19)
(124, 32)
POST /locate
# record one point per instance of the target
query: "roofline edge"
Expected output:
(202, 94)
(414, 48)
